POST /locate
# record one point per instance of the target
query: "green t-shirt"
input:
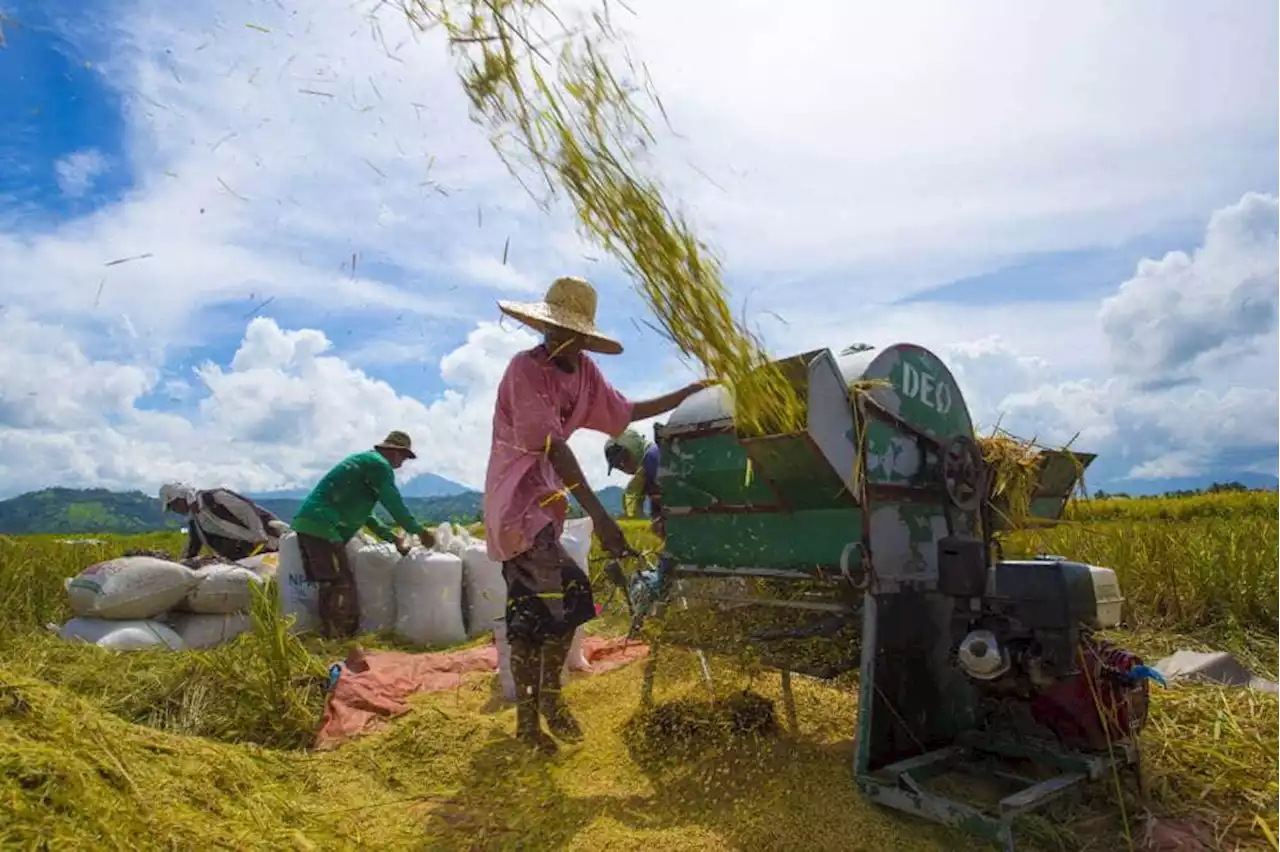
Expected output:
(342, 501)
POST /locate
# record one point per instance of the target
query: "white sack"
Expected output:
(132, 587)
(222, 589)
(265, 565)
(374, 567)
(576, 660)
(451, 538)
(575, 538)
(443, 535)
(505, 679)
(298, 598)
(201, 630)
(114, 635)
(428, 589)
(485, 590)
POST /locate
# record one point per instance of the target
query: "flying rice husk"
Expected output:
(558, 112)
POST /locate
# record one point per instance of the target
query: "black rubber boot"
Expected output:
(551, 702)
(525, 659)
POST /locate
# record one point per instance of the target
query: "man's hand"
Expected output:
(611, 538)
(659, 527)
(702, 384)
(402, 544)
(658, 406)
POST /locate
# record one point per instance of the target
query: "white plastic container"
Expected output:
(1106, 592)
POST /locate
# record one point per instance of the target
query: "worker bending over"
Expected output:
(232, 526)
(335, 510)
(633, 455)
(546, 394)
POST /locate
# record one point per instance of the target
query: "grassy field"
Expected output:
(208, 749)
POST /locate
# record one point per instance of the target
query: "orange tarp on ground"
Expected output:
(375, 686)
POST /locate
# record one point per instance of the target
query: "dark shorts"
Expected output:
(548, 595)
(323, 561)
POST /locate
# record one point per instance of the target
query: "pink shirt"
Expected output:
(536, 401)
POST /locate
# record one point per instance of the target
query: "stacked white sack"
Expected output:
(222, 590)
(374, 565)
(298, 597)
(208, 630)
(484, 590)
(428, 590)
(452, 538)
(575, 538)
(129, 588)
(265, 565)
(122, 635)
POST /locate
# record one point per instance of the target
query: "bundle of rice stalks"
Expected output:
(578, 126)
(1017, 471)
(1014, 468)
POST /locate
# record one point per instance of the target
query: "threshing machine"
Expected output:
(866, 541)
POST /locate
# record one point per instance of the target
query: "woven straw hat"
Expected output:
(397, 440)
(570, 304)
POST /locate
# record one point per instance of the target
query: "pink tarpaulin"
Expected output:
(375, 686)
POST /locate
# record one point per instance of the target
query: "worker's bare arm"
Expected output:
(566, 466)
(659, 405)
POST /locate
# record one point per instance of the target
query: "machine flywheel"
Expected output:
(963, 472)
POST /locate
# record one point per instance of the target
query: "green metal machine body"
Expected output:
(864, 542)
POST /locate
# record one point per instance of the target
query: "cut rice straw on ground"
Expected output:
(557, 108)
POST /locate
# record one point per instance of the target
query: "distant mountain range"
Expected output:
(422, 485)
(432, 499)
(67, 511)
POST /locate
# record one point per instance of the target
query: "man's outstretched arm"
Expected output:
(646, 408)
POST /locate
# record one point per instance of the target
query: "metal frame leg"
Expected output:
(706, 675)
(789, 702)
(650, 669)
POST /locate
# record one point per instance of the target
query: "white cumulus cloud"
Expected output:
(324, 163)
(77, 171)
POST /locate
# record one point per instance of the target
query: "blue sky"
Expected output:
(1075, 206)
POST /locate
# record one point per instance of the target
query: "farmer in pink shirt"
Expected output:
(548, 393)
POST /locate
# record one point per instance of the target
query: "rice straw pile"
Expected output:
(1015, 468)
(557, 109)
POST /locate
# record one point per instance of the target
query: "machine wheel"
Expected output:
(963, 473)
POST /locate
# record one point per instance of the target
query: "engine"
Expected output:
(1031, 650)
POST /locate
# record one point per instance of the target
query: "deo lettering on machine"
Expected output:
(924, 387)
